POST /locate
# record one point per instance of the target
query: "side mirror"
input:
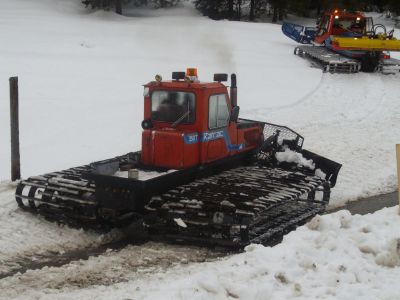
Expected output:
(234, 114)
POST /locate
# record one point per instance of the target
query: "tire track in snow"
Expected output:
(274, 109)
(26, 237)
(128, 264)
(22, 264)
(304, 98)
(369, 111)
(340, 98)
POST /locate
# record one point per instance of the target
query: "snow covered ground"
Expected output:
(80, 77)
(336, 256)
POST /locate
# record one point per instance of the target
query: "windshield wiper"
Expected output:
(180, 119)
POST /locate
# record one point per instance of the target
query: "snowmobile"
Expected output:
(203, 175)
(346, 42)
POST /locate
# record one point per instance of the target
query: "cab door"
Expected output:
(216, 140)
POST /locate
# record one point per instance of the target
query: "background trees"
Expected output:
(118, 4)
(252, 9)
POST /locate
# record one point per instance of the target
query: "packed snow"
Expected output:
(336, 256)
(81, 76)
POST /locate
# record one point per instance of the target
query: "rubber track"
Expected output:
(329, 61)
(250, 204)
(64, 197)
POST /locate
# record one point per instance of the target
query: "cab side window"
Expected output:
(218, 111)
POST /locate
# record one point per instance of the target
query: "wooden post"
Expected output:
(14, 121)
(398, 170)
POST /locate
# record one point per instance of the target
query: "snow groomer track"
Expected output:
(328, 60)
(253, 204)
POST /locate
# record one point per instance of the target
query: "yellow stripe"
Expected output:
(366, 43)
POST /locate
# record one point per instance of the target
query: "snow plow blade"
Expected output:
(329, 167)
(299, 33)
(366, 44)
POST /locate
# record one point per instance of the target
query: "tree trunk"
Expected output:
(318, 8)
(274, 14)
(118, 7)
(239, 9)
(281, 11)
(230, 9)
(251, 17)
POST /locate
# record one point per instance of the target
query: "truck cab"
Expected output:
(189, 123)
(342, 23)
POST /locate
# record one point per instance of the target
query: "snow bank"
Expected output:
(335, 256)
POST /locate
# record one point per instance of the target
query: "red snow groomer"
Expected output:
(346, 42)
(203, 175)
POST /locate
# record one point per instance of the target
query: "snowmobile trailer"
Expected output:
(202, 176)
(346, 42)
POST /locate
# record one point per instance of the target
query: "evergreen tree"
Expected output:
(164, 3)
(251, 9)
(217, 9)
(394, 6)
(231, 9)
(117, 4)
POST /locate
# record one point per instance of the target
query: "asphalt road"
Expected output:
(370, 205)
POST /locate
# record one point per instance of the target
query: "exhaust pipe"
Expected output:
(233, 90)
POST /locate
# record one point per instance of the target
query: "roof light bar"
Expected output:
(191, 74)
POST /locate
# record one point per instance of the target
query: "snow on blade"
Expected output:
(291, 156)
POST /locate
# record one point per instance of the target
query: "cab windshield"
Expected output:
(171, 106)
(349, 24)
